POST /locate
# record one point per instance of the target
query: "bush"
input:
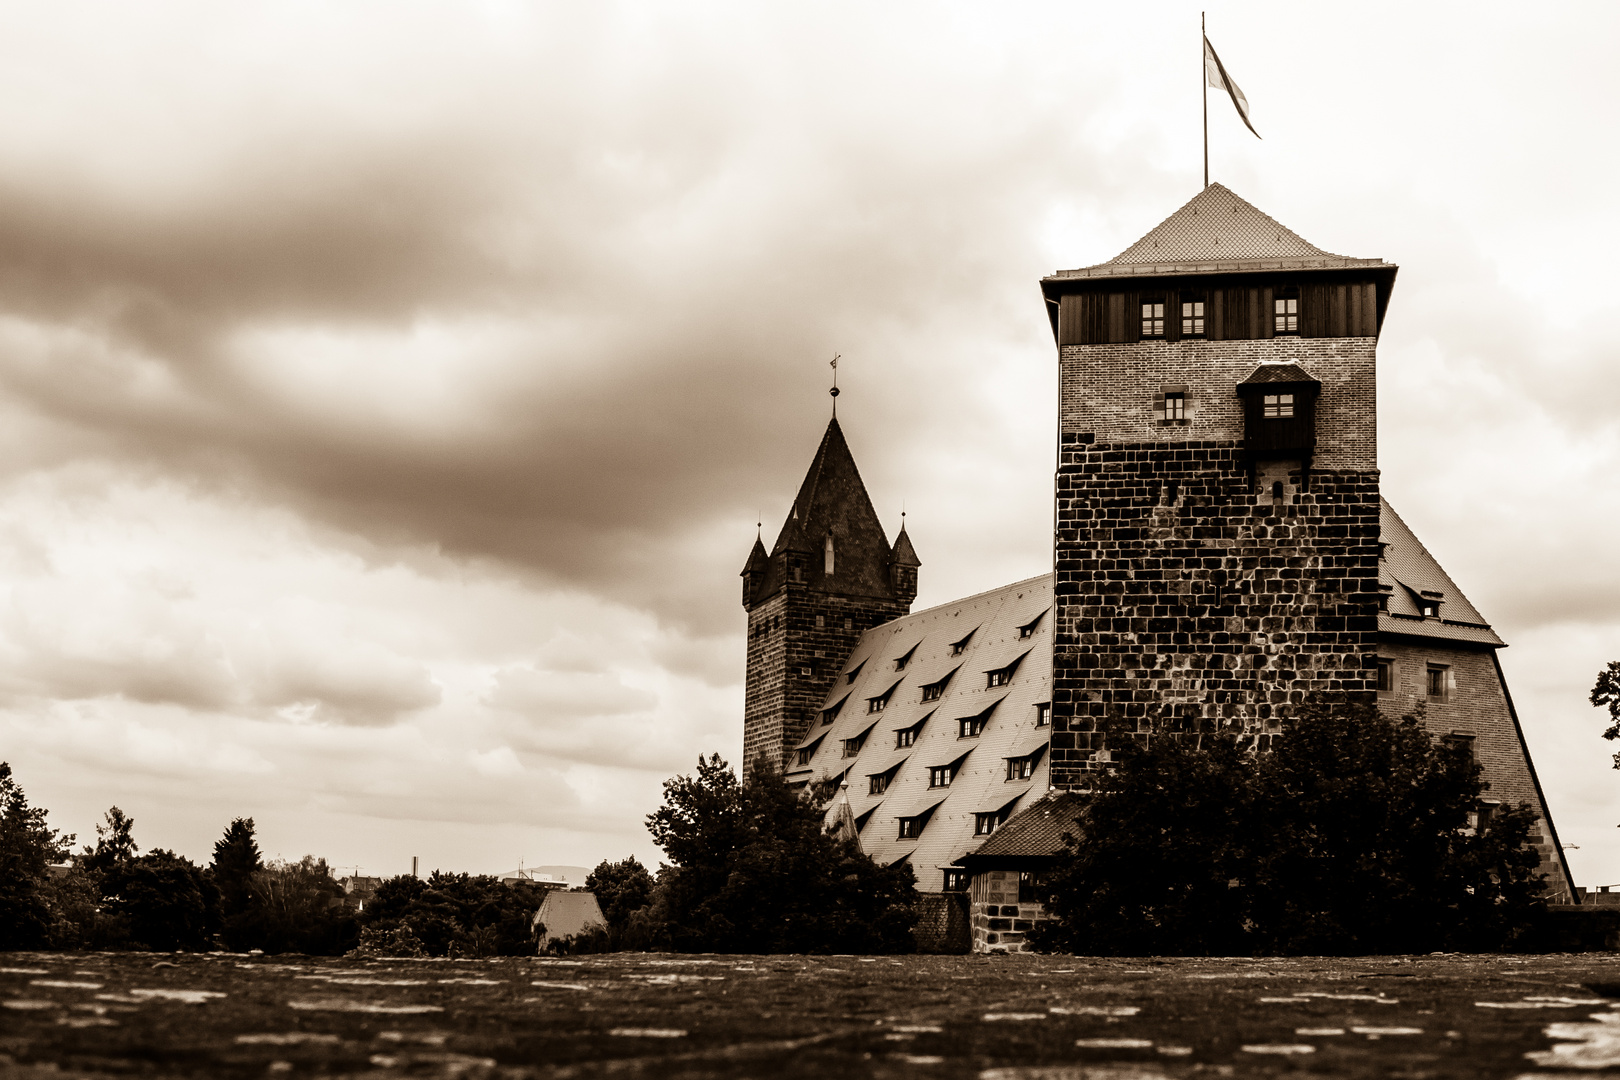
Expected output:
(1349, 837)
(752, 871)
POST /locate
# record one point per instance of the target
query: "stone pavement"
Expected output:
(659, 1016)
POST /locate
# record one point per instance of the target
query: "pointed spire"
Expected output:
(904, 553)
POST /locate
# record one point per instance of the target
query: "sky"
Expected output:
(389, 391)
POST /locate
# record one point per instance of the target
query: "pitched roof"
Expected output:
(1217, 230)
(1408, 571)
(1280, 373)
(832, 501)
(991, 622)
(1037, 830)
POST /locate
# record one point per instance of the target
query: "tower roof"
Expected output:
(832, 502)
(1217, 230)
(904, 553)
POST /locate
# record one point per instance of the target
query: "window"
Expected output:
(1386, 676)
(1439, 682)
(821, 622)
(1028, 629)
(1021, 768)
(881, 702)
(1462, 740)
(1175, 406)
(969, 727)
(1043, 714)
(956, 880)
(1153, 318)
(1002, 676)
(1428, 603)
(1031, 889)
(959, 647)
(1279, 406)
(854, 672)
(808, 752)
(942, 775)
(912, 827)
(901, 662)
(849, 624)
(1287, 313)
(932, 691)
(1480, 816)
(908, 736)
(828, 715)
(852, 747)
(985, 824)
(1192, 318)
(877, 783)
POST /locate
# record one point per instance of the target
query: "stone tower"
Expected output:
(1217, 516)
(832, 575)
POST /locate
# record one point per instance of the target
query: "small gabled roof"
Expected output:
(1407, 570)
(1037, 831)
(1280, 373)
(1217, 230)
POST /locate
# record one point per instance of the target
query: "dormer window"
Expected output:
(934, 690)
(1287, 311)
(853, 673)
(960, 647)
(1002, 676)
(1279, 406)
(942, 775)
(1043, 714)
(969, 727)
(1192, 318)
(1028, 629)
(1153, 318)
(808, 752)
(901, 661)
(852, 747)
(908, 736)
(881, 702)
(830, 713)
(878, 783)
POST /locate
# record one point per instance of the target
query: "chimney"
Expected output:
(413, 866)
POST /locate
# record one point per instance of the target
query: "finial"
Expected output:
(834, 390)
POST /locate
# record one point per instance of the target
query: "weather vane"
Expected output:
(834, 390)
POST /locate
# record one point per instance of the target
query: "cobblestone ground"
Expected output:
(664, 1017)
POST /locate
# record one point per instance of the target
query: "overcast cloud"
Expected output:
(388, 392)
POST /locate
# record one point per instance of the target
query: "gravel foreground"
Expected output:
(663, 1017)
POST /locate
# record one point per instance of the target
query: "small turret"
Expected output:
(753, 573)
(903, 564)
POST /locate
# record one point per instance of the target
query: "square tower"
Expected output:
(1217, 516)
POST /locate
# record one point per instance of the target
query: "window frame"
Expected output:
(1285, 312)
(947, 772)
(1437, 682)
(1193, 322)
(1153, 320)
(1043, 714)
(1384, 679)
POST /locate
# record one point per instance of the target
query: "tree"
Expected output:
(27, 846)
(752, 871)
(621, 889)
(293, 907)
(453, 915)
(1352, 835)
(115, 842)
(162, 901)
(236, 860)
(1607, 692)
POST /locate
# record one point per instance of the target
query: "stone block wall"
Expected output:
(1000, 921)
(798, 641)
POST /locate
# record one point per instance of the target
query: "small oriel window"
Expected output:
(1153, 318)
(1287, 314)
(1192, 318)
(1043, 714)
(1279, 406)
(1386, 675)
(1175, 406)
(956, 881)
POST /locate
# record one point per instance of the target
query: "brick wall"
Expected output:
(1188, 596)
(1109, 391)
(798, 641)
(1475, 705)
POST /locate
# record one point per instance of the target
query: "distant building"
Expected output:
(565, 913)
(1222, 551)
(571, 876)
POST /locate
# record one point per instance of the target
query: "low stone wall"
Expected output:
(1000, 921)
(942, 923)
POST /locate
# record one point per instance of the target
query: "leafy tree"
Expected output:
(454, 915)
(1350, 836)
(754, 872)
(621, 889)
(162, 901)
(294, 907)
(1607, 692)
(27, 846)
(115, 843)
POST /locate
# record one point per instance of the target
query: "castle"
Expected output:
(1222, 551)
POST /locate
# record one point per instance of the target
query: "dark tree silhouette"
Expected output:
(115, 843)
(27, 846)
(1607, 693)
(162, 901)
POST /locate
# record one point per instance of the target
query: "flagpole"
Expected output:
(1203, 79)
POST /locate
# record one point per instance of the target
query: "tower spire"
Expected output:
(834, 390)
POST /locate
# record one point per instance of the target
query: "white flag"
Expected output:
(1215, 71)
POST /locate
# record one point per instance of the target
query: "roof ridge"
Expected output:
(1217, 224)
